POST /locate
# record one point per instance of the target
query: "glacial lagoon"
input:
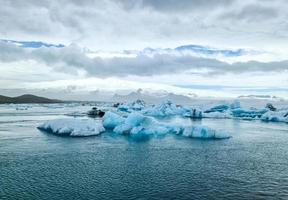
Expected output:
(252, 164)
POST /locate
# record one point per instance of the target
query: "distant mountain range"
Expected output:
(252, 96)
(152, 98)
(27, 98)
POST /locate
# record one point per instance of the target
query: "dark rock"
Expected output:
(95, 112)
(270, 107)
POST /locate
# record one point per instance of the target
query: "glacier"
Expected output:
(73, 127)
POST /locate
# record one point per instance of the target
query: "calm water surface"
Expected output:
(253, 164)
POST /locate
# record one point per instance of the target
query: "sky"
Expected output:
(215, 48)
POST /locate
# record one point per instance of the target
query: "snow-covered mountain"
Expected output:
(153, 97)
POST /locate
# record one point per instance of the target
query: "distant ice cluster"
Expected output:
(138, 120)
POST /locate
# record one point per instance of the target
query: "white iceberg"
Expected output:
(73, 127)
(167, 108)
(275, 116)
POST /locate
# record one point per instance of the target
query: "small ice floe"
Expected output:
(204, 132)
(248, 113)
(219, 108)
(73, 127)
(276, 116)
(137, 105)
(193, 113)
(23, 107)
(76, 114)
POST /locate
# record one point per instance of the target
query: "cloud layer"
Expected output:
(130, 24)
(71, 58)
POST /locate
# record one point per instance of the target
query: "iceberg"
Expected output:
(219, 108)
(275, 116)
(167, 108)
(193, 113)
(111, 120)
(138, 126)
(73, 127)
(217, 115)
(248, 114)
(204, 132)
(134, 106)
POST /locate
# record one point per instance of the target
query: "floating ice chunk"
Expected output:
(151, 130)
(218, 108)
(235, 104)
(111, 120)
(134, 106)
(204, 132)
(167, 108)
(275, 116)
(132, 121)
(73, 127)
(76, 114)
(123, 129)
(139, 126)
(193, 113)
(217, 115)
(248, 114)
(135, 119)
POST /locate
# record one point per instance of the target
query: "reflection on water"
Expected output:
(253, 164)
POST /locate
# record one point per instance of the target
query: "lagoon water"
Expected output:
(253, 164)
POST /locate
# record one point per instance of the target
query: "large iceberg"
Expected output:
(73, 127)
(138, 126)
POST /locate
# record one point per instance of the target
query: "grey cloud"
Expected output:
(71, 58)
(175, 5)
(128, 24)
(253, 13)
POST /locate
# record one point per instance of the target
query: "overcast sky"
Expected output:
(236, 47)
